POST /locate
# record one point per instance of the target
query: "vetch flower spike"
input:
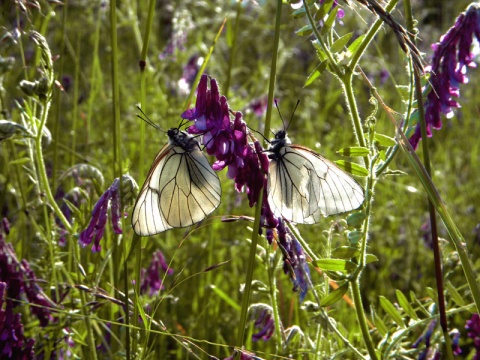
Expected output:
(451, 58)
(96, 227)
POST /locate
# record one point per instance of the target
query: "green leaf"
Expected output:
(370, 258)
(355, 236)
(340, 43)
(390, 310)
(384, 140)
(324, 9)
(20, 161)
(225, 297)
(356, 219)
(453, 292)
(335, 295)
(334, 264)
(405, 304)
(432, 293)
(354, 46)
(382, 329)
(329, 22)
(304, 31)
(316, 73)
(299, 13)
(354, 151)
(352, 168)
(345, 252)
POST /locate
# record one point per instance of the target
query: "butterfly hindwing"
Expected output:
(303, 186)
(180, 190)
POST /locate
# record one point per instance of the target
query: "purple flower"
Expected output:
(13, 344)
(96, 227)
(294, 260)
(258, 106)
(451, 58)
(473, 327)
(150, 278)
(227, 140)
(264, 321)
(189, 73)
(455, 334)
(18, 284)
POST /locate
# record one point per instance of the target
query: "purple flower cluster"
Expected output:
(150, 278)
(452, 56)
(473, 327)
(96, 227)
(264, 321)
(18, 284)
(226, 139)
(294, 260)
(111, 197)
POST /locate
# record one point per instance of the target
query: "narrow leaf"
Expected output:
(304, 31)
(354, 151)
(382, 329)
(370, 258)
(354, 46)
(384, 140)
(352, 168)
(453, 292)
(225, 297)
(390, 310)
(345, 252)
(405, 304)
(335, 295)
(334, 264)
(340, 43)
(329, 22)
(315, 74)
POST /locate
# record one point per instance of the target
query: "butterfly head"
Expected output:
(182, 139)
(281, 139)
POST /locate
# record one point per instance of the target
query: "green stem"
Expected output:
(117, 164)
(272, 265)
(258, 208)
(318, 36)
(233, 51)
(369, 36)
(250, 266)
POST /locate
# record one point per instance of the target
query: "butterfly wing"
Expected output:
(303, 186)
(181, 189)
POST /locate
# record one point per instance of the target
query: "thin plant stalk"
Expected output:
(233, 49)
(258, 208)
(431, 208)
(117, 162)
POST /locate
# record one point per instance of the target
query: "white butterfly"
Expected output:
(303, 186)
(181, 188)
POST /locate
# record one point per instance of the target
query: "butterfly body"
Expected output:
(303, 186)
(181, 188)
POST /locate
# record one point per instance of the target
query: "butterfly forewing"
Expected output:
(303, 186)
(181, 188)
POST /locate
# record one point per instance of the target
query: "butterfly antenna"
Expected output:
(279, 113)
(259, 133)
(147, 119)
(293, 113)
